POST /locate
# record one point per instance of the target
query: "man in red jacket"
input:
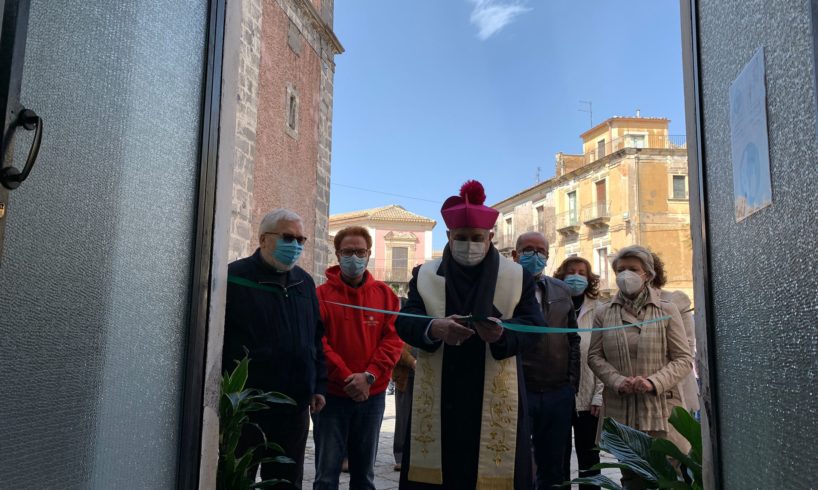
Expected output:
(361, 348)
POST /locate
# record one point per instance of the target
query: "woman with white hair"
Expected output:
(641, 366)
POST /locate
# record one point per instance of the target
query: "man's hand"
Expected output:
(449, 330)
(596, 410)
(489, 330)
(317, 403)
(356, 387)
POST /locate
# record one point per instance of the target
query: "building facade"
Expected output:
(629, 186)
(284, 121)
(401, 241)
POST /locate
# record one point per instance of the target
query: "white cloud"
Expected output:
(491, 16)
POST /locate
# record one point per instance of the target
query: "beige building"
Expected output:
(401, 240)
(629, 186)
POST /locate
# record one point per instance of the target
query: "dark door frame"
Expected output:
(190, 440)
(699, 226)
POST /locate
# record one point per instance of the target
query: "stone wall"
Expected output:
(241, 240)
(287, 52)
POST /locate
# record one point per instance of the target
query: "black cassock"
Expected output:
(470, 291)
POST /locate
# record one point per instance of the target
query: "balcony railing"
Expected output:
(387, 274)
(661, 142)
(597, 214)
(568, 222)
(503, 241)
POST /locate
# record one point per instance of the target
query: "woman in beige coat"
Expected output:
(689, 387)
(640, 366)
(584, 284)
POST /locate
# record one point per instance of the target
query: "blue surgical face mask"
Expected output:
(353, 266)
(287, 253)
(577, 283)
(533, 262)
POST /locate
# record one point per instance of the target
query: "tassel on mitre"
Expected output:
(473, 192)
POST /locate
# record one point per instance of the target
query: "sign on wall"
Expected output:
(752, 188)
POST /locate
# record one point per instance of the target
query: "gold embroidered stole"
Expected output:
(498, 430)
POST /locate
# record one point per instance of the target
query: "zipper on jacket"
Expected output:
(284, 288)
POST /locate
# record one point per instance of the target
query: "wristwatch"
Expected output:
(370, 378)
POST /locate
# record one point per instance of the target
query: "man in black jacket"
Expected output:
(552, 367)
(272, 311)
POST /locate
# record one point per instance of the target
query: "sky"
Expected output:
(431, 93)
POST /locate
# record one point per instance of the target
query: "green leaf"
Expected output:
(275, 447)
(631, 447)
(690, 429)
(269, 483)
(238, 377)
(597, 480)
(667, 448)
(278, 459)
(275, 397)
(673, 485)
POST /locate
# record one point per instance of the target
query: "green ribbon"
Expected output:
(511, 326)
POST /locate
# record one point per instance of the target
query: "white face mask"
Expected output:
(468, 253)
(629, 282)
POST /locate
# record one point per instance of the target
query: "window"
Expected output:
(602, 265)
(637, 140)
(679, 187)
(541, 218)
(400, 263)
(292, 112)
(601, 199)
(600, 148)
(509, 229)
(572, 207)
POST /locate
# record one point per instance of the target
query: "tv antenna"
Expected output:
(589, 110)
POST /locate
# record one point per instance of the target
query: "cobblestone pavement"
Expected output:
(386, 478)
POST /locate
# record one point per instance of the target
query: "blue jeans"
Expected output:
(345, 427)
(550, 416)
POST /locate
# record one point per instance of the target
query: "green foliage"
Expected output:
(648, 457)
(238, 471)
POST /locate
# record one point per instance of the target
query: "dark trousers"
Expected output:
(288, 427)
(403, 408)
(346, 426)
(584, 442)
(550, 416)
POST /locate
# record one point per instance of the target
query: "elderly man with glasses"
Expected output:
(552, 367)
(361, 347)
(272, 312)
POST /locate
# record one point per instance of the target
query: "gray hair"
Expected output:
(527, 234)
(273, 218)
(641, 253)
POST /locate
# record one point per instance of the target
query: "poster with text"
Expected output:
(750, 144)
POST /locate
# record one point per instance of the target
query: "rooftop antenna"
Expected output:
(589, 110)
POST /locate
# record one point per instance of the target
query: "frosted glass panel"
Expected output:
(763, 269)
(94, 284)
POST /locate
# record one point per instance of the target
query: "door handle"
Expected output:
(10, 177)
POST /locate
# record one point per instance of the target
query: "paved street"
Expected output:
(385, 477)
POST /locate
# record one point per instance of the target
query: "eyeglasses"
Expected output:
(288, 238)
(530, 253)
(349, 252)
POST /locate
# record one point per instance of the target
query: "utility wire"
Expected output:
(384, 193)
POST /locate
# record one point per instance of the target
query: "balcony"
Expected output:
(597, 215)
(640, 141)
(568, 223)
(392, 275)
